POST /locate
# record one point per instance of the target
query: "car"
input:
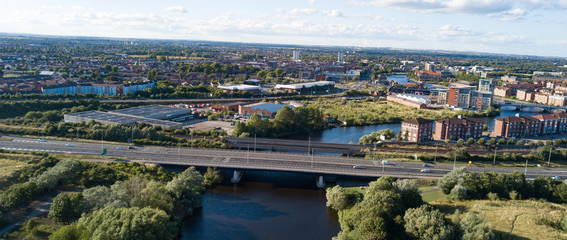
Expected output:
(41, 140)
(357, 167)
(556, 178)
(131, 147)
(68, 145)
(425, 171)
(385, 162)
(425, 165)
(120, 148)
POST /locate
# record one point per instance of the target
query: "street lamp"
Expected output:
(494, 161)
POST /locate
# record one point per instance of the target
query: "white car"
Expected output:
(556, 178)
(425, 171)
(357, 167)
(121, 148)
(41, 140)
(385, 162)
(68, 145)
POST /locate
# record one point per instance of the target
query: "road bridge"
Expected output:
(244, 159)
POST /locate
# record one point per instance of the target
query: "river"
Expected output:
(280, 206)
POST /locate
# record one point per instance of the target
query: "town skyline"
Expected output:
(500, 27)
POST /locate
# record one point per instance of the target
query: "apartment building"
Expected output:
(468, 98)
(417, 130)
(456, 128)
(511, 127)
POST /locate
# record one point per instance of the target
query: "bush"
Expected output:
(458, 193)
(481, 141)
(425, 222)
(521, 142)
(514, 195)
(510, 141)
(492, 196)
(470, 141)
(473, 226)
(492, 142)
(460, 141)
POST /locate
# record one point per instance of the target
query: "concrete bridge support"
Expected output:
(320, 182)
(236, 176)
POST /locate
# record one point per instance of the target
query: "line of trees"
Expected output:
(461, 185)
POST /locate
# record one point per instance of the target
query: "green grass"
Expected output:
(432, 196)
(519, 219)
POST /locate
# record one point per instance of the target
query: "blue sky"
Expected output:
(534, 27)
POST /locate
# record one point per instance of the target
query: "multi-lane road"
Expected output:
(244, 159)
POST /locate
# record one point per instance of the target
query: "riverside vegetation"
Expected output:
(478, 206)
(97, 198)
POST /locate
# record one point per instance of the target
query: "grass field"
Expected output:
(8, 168)
(521, 219)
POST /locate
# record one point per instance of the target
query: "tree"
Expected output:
(502, 141)
(98, 197)
(153, 195)
(481, 141)
(461, 141)
(66, 207)
(128, 223)
(427, 223)
(447, 182)
(492, 142)
(187, 188)
(212, 176)
(510, 141)
(473, 226)
(409, 192)
(337, 198)
(470, 141)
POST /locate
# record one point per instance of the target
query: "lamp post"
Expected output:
(494, 161)
(436, 146)
(455, 162)
(309, 146)
(549, 158)
(254, 142)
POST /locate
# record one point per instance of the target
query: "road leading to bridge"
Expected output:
(243, 159)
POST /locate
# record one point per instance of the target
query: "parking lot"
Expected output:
(206, 125)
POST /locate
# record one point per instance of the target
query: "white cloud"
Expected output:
(506, 10)
(312, 2)
(334, 13)
(512, 15)
(179, 9)
(305, 11)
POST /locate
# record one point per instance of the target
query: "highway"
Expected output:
(244, 159)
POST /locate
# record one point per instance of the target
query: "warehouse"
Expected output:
(155, 115)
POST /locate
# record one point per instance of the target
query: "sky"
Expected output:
(530, 27)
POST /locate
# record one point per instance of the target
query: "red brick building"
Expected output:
(417, 130)
(456, 128)
(510, 127)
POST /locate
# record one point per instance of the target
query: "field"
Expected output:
(521, 219)
(363, 112)
(7, 169)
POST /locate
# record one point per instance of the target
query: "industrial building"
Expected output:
(156, 115)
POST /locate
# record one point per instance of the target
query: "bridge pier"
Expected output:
(320, 182)
(236, 176)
